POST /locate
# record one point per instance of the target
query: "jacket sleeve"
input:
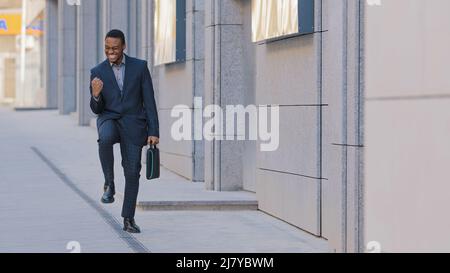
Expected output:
(148, 95)
(96, 106)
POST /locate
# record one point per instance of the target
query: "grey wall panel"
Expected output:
(168, 144)
(175, 88)
(405, 176)
(407, 126)
(299, 140)
(286, 72)
(292, 198)
(181, 165)
(415, 64)
(175, 85)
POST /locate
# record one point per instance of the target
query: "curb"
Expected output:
(199, 205)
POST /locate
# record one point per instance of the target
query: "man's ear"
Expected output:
(124, 47)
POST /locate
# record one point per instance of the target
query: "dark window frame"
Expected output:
(306, 25)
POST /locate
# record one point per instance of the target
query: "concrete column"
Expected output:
(342, 146)
(223, 53)
(66, 57)
(132, 27)
(196, 49)
(150, 45)
(51, 53)
(354, 115)
(116, 16)
(87, 22)
(102, 23)
(143, 24)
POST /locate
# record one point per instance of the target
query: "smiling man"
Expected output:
(123, 98)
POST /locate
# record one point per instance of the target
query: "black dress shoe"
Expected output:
(129, 225)
(108, 196)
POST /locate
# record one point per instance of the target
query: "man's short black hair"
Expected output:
(116, 33)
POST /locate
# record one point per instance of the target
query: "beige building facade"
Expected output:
(362, 98)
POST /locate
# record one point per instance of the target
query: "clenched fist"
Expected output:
(97, 87)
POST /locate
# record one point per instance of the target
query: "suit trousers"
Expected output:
(110, 133)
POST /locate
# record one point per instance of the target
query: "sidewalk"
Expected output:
(51, 184)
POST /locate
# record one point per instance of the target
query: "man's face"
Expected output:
(114, 49)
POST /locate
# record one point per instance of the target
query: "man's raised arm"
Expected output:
(96, 86)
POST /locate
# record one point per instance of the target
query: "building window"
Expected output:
(278, 18)
(170, 31)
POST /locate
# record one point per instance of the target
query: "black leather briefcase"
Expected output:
(153, 162)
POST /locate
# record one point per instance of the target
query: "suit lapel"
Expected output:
(127, 74)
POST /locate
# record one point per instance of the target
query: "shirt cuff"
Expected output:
(96, 99)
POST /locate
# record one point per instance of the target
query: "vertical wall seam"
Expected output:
(194, 86)
(97, 29)
(345, 123)
(354, 206)
(109, 16)
(360, 161)
(321, 117)
(213, 81)
(128, 27)
(79, 60)
(220, 91)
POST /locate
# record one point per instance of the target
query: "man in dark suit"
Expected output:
(123, 98)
